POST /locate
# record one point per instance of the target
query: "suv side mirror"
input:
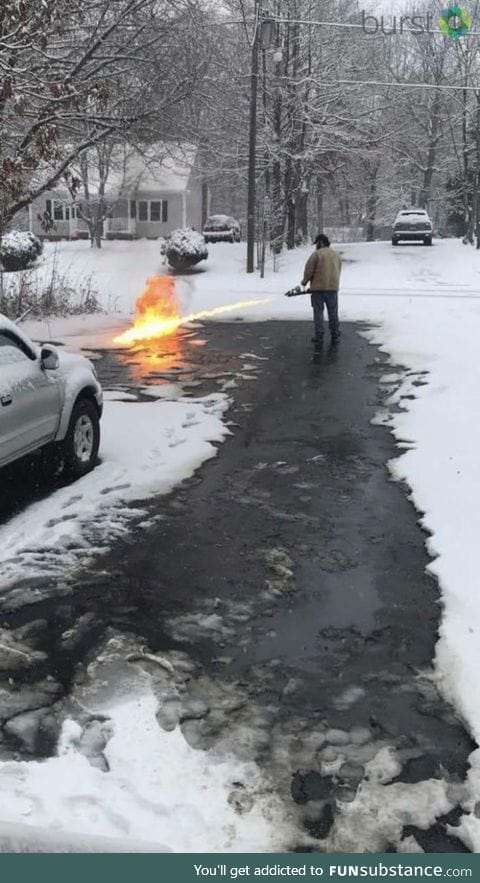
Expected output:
(49, 358)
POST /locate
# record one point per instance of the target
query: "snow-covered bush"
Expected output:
(18, 250)
(185, 248)
(37, 243)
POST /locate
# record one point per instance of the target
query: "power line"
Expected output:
(361, 27)
(399, 85)
(342, 25)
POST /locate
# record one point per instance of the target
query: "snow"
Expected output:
(165, 443)
(422, 307)
(166, 793)
(159, 169)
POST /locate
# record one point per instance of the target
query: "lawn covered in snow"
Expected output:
(423, 308)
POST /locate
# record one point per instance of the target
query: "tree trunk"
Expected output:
(371, 208)
(290, 203)
(205, 201)
(98, 234)
(278, 225)
(466, 170)
(291, 224)
(320, 204)
(477, 174)
(425, 192)
(301, 222)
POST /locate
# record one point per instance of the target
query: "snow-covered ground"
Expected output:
(423, 306)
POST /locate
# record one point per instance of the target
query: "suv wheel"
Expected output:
(427, 241)
(394, 241)
(80, 447)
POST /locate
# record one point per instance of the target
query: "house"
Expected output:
(148, 194)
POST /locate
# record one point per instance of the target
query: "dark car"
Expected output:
(412, 225)
(222, 228)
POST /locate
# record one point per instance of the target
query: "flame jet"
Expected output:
(158, 314)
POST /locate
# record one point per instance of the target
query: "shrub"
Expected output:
(37, 243)
(19, 250)
(185, 248)
(38, 295)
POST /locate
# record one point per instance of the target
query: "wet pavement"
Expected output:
(291, 570)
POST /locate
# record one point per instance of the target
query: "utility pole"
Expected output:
(252, 150)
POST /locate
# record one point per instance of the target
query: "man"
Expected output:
(323, 273)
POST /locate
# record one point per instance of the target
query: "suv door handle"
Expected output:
(5, 401)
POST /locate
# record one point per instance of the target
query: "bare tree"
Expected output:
(73, 75)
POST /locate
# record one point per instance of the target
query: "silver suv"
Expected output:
(47, 397)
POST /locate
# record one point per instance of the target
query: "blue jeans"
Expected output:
(320, 299)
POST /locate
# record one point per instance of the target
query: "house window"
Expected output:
(155, 211)
(58, 210)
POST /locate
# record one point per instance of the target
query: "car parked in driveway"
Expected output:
(222, 228)
(48, 398)
(412, 225)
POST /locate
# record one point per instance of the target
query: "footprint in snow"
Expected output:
(119, 487)
(72, 501)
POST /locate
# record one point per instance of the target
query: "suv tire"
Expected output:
(427, 241)
(79, 449)
(394, 241)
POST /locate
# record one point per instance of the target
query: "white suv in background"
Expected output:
(47, 397)
(412, 225)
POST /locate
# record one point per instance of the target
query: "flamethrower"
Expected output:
(297, 291)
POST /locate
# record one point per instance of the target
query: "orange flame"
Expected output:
(157, 312)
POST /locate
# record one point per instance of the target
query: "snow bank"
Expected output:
(157, 789)
(118, 775)
(147, 448)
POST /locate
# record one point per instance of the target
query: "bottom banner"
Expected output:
(195, 868)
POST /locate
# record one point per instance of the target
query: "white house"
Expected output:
(149, 194)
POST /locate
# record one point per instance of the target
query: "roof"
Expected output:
(159, 167)
(163, 166)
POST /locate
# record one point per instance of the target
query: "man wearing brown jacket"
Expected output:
(323, 271)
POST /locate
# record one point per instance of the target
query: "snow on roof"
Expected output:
(412, 211)
(162, 166)
(159, 167)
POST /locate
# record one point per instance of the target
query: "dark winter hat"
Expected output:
(322, 241)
